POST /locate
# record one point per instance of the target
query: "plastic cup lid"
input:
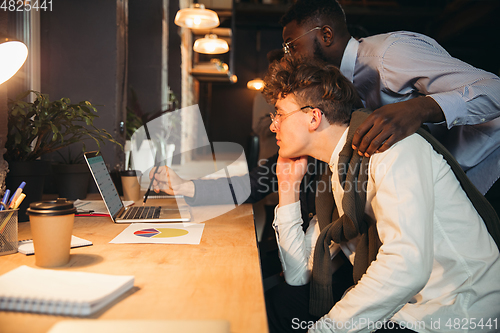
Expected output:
(130, 173)
(61, 206)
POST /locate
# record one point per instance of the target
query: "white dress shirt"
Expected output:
(399, 66)
(438, 268)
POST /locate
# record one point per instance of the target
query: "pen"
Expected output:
(19, 200)
(6, 220)
(16, 195)
(149, 187)
(4, 199)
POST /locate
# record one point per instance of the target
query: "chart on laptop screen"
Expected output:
(105, 184)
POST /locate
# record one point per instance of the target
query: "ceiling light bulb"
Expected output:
(255, 84)
(197, 17)
(210, 44)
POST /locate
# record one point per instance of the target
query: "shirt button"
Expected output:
(311, 215)
(483, 120)
(455, 122)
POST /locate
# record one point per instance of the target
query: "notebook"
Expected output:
(59, 292)
(26, 246)
(117, 210)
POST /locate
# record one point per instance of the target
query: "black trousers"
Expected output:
(288, 306)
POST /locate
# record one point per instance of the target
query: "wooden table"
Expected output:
(218, 279)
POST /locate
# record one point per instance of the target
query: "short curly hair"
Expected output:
(312, 82)
(316, 12)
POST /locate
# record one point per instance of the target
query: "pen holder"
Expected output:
(8, 231)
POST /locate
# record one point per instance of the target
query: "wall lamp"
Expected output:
(13, 54)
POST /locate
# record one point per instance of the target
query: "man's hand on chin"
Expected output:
(290, 172)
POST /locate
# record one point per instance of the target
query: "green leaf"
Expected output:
(23, 95)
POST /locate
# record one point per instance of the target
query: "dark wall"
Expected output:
(174, 51)
(83, 55)
(468, 30)
(145, 49)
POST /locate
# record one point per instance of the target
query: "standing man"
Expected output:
(408, 80)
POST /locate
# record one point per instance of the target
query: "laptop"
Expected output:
(132, 214)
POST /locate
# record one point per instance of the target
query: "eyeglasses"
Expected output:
(287, 47)
(277, 118)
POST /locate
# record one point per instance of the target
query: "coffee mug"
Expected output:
(51, 228)
(131, 185)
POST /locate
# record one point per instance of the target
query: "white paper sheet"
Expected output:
(161, 233)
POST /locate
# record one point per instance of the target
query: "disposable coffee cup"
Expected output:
(131, 185)
(51, 228)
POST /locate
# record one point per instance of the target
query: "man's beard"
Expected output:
(318, 51)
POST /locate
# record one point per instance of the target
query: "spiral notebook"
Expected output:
(59, 292)
(26, 246)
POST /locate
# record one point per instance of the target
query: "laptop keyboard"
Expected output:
(142, 212)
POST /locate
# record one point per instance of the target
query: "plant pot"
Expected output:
(72, 180)
(31, 172)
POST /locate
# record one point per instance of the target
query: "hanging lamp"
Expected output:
(197, 17)
(256, 84)
(13, 54)
(210, 44)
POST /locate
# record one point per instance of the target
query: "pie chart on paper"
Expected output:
(160, 232)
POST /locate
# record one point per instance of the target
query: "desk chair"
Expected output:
(253, 151)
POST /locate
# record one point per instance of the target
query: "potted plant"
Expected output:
(70, 175)
(41, 127)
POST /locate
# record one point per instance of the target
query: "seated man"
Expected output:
(423, 259)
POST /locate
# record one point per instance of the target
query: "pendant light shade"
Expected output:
(256, 84)
(197, 17)
(13, 54)
(210, 44)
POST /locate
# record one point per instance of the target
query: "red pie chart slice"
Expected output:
(146, 232)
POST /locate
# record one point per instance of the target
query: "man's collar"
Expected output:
(338, 148)
(349, 59)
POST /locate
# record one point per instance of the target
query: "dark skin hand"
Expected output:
(394, 122)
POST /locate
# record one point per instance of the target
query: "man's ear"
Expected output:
(327, 35)
(316, 119)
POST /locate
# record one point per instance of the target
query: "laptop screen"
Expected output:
(105, 185)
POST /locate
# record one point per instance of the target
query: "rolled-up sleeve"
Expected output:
(414, 64)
